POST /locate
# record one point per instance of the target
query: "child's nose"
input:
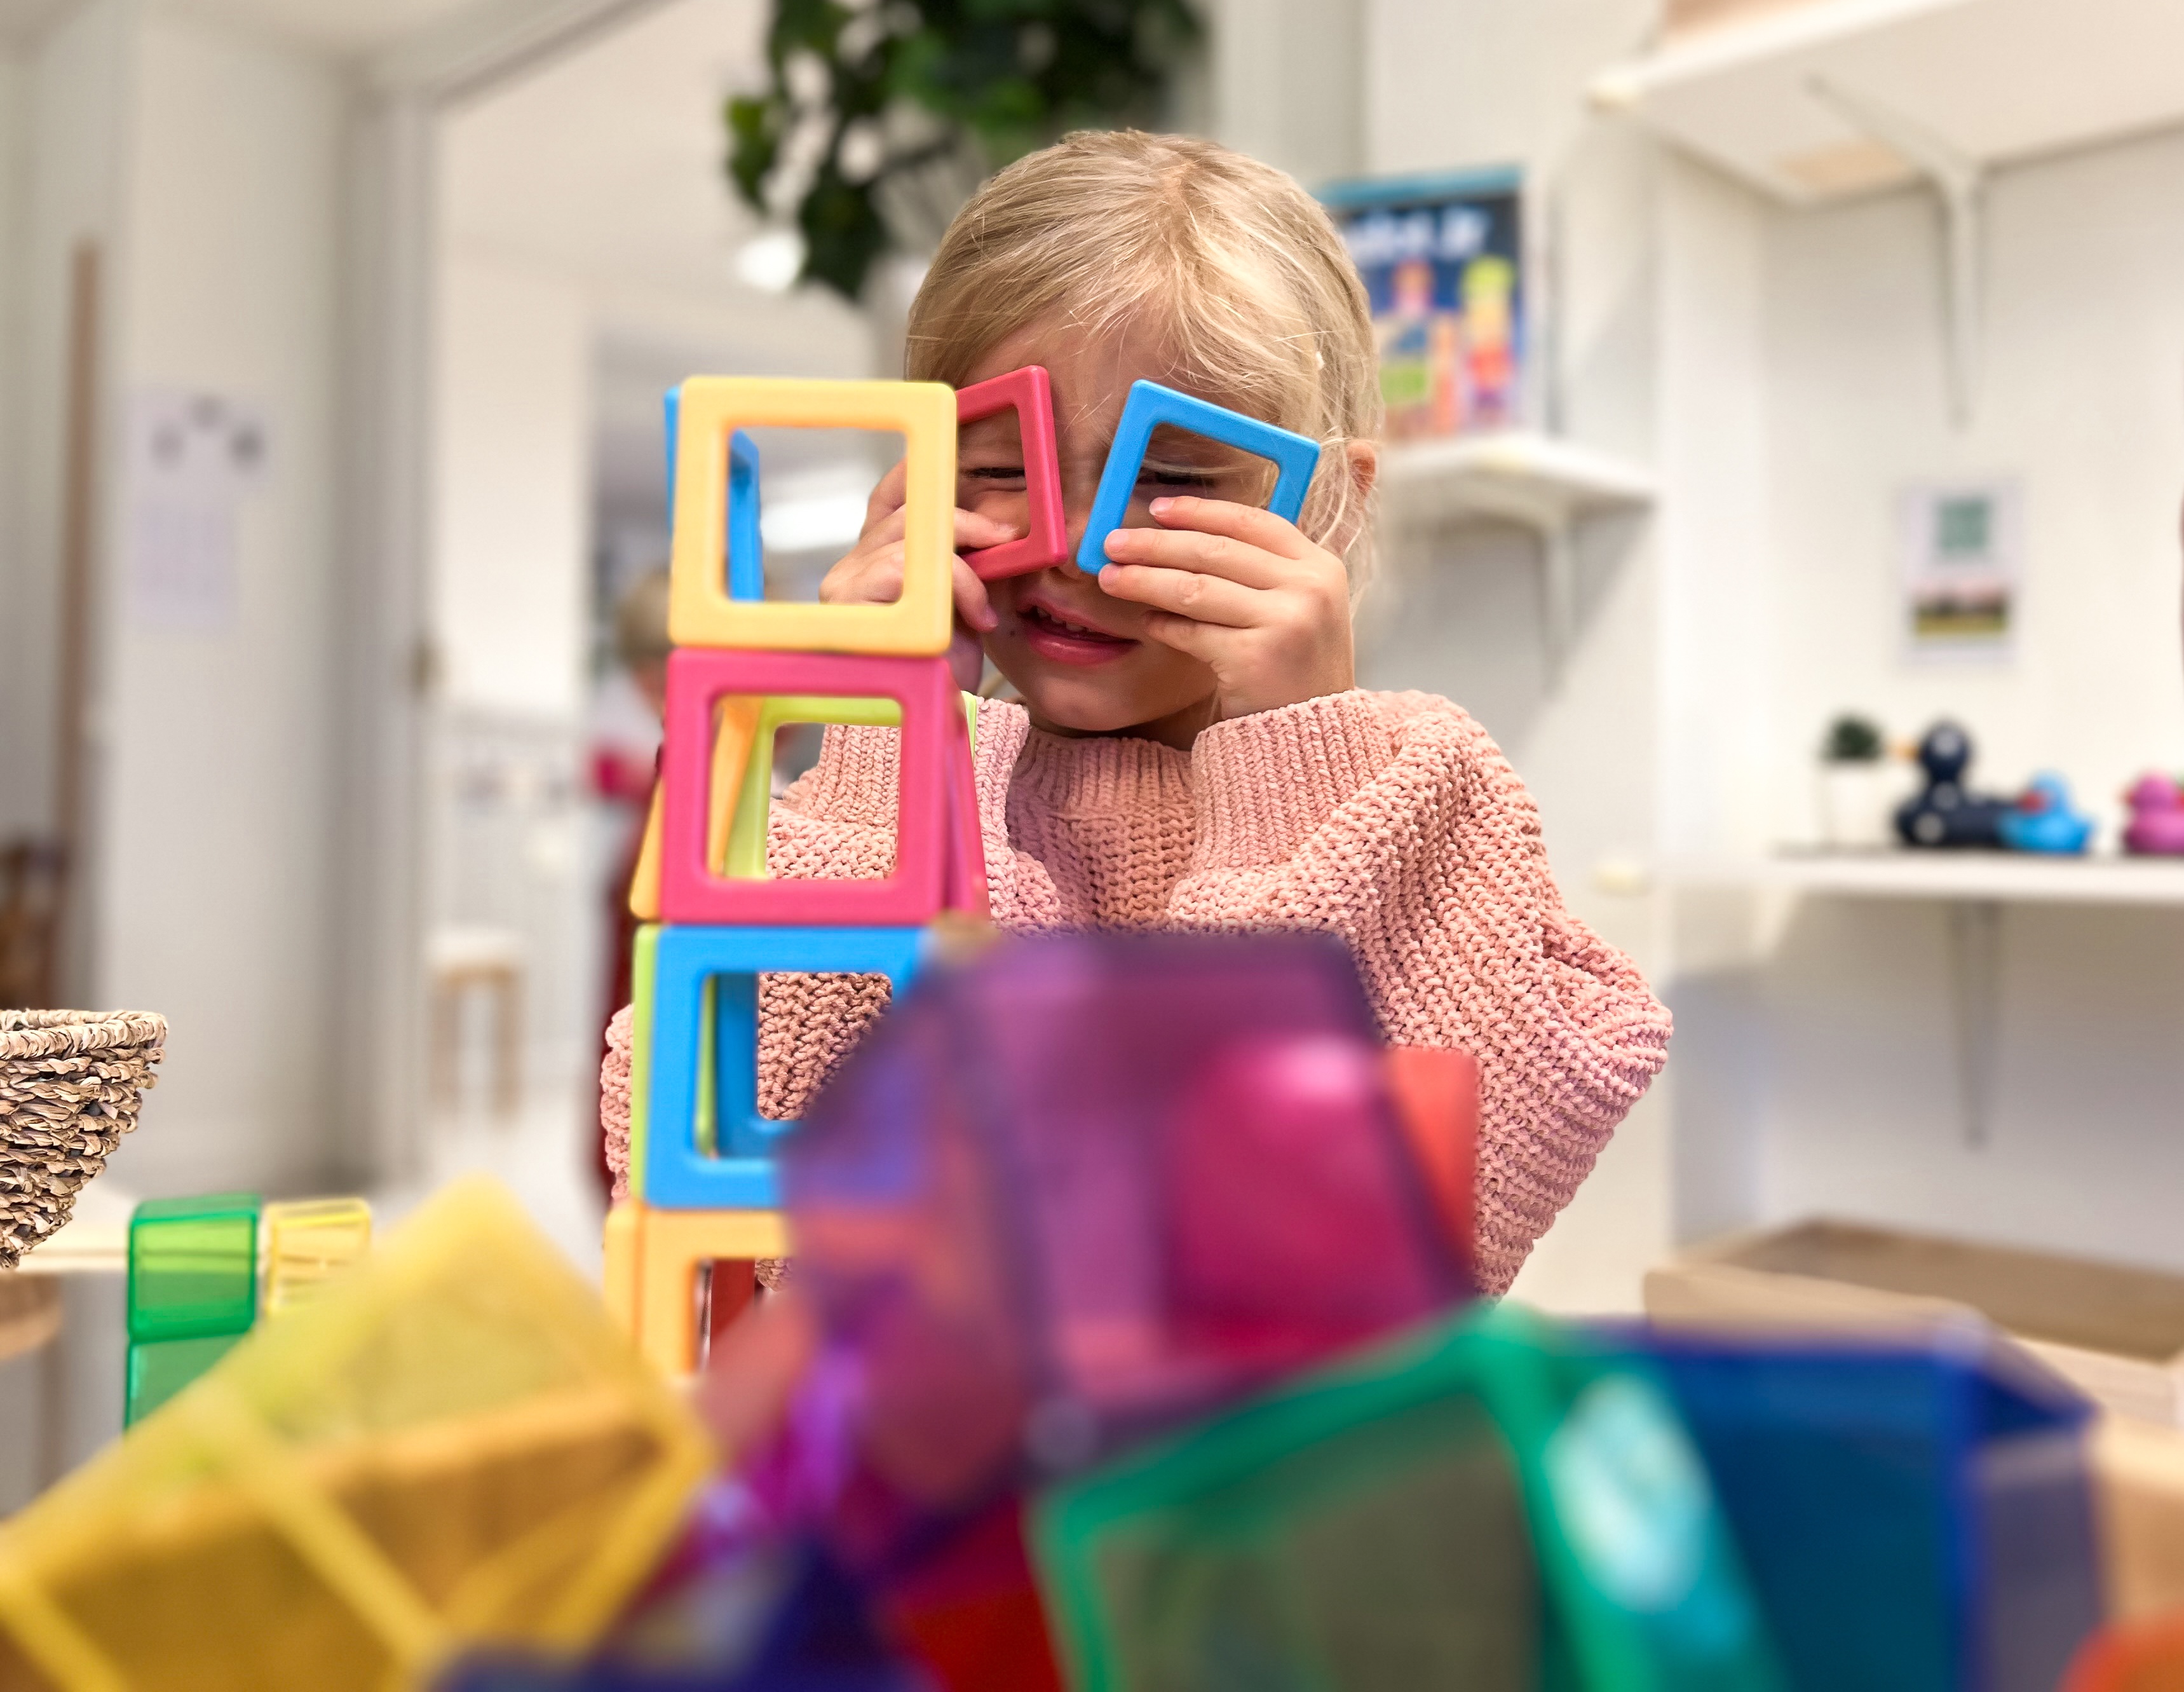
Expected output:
(1078, 488)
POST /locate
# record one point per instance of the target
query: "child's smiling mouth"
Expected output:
(1064, 640)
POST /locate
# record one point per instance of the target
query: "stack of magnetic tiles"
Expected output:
(197, 1269)
(704, 1190)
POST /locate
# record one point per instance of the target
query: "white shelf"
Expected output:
(1517, 477)
(1976, 877)
(1783, 100)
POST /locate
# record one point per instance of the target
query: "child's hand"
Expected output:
(1243, 592)
(872, 574)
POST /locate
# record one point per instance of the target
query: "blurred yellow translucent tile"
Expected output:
(451, 1444)
(309, 1240)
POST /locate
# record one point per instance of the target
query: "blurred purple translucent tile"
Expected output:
(1094, 1185)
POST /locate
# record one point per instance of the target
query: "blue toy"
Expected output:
(2044, 822)
(1148, 405)
(736, 1172)
(746, 550)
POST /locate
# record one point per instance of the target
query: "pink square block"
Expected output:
(1045, 541)
(690, 893)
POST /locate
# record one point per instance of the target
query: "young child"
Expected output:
(1190, 750)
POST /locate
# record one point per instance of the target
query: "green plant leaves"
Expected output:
(1002, 77)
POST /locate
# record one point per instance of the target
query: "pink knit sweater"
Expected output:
(1390, 818)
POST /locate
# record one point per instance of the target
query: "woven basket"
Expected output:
(70, 1083)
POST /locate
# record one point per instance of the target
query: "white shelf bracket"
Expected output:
(1552, 526)
(1960, 183)
(1975, 964)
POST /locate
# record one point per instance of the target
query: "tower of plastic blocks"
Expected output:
(703, 1188)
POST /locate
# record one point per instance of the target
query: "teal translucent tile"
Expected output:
(162, 1367)
(193, 1266)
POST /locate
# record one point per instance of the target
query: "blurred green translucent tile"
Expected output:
(159, 1369)
(193, 1266)
(1487, 1504)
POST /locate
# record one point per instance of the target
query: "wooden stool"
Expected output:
(490, 959)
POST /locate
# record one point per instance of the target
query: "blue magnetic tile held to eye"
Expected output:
(746, 548)
(693, 1080)
(1148, 405)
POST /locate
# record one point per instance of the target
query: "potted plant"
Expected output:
(1859, 786)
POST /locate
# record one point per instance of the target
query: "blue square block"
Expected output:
(1294, 457)
(737, 1171)
(746, 548)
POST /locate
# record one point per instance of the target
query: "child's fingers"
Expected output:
(1248, 524)
(971, 603)
(1210, 555)
(974, 531)
(1206, 642)
(871, 575)
(1189, 594)
(888, 496)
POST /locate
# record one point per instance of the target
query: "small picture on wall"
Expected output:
(1962, 545)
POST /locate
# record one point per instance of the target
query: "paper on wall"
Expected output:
(193, 457)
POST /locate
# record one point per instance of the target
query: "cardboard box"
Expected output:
(2117, 1333)
(2138, 1479)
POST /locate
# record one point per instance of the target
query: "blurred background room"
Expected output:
(1769, 382)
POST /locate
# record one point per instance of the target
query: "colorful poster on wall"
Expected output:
(1443, 261)
(1962, 551)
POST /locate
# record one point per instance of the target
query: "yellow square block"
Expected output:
(652, 1257)
(700, 613)
(308, 1241)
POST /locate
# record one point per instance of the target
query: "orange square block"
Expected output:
(653, 1258)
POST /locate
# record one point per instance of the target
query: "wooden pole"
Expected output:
(78, 535)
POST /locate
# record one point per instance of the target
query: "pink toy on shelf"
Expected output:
(2156, 821)
(1028, 392)
(932, 727)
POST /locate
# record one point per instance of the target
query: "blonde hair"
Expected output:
(1238, 268)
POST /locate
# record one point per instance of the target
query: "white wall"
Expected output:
(512, 472)
(73, 85)
(2084, 399)
(215, 887)
(15, 722)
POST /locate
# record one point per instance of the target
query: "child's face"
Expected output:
(1080, 658)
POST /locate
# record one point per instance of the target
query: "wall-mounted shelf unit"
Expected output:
(1814, 102)
(1997, 81)
(1974, 887)
(1534, 481)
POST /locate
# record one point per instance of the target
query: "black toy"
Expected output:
(1945, 815)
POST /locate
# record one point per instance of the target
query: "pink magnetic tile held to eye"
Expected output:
(1029, 394)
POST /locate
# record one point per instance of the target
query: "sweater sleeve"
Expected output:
(1393, 820)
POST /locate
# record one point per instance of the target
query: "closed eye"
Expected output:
(994, 473)
(1158, 475)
